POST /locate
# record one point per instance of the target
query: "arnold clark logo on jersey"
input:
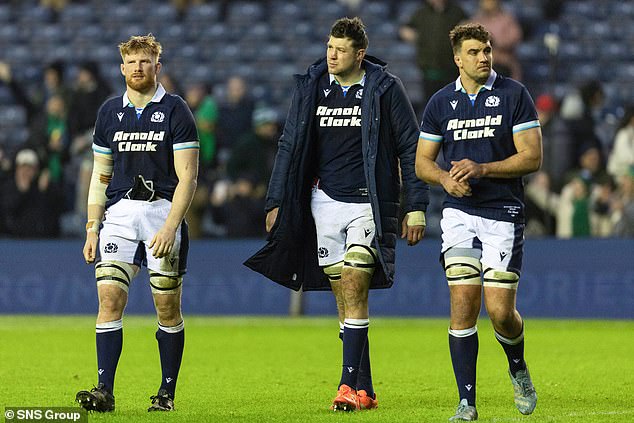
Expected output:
(137, 141)
(471, 129)
(339, 116)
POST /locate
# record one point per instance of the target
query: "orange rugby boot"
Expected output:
(366, 402)
(346, 399)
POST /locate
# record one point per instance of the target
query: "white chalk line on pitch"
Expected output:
(590, 414)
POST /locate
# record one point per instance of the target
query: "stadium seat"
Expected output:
(206, 13)
(5, 13)
(79, 14)
(33, 15)
(244, 13)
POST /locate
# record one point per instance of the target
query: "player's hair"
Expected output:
(144, 43)
(352, 28)
(470, 31)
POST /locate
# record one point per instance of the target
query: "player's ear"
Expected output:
(122, 69)
(457, 60)
(159, 65)
(360, 54)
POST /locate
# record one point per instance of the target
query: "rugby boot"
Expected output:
(366, 402)
(525, 395)
(346, 399)
(97, 399)
(464, 412)
(162, 401)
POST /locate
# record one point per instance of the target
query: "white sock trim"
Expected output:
(463, 333)
(172, 329)
(356, 323)
(109, 326)
(510, 341)
(341, 326)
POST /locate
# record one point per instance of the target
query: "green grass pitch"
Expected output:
(262, 369)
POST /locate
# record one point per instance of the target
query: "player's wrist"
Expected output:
(93, 225)
(416, 218)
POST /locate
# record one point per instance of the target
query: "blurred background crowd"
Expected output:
(233, 61)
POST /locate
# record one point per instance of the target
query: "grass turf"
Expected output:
(262, 369)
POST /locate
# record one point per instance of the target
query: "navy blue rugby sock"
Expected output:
(171, 341)
(463, 347)
(514, 349)
(109, 337)
(355, 335)
(364, 379)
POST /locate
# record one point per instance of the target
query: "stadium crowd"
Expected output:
(585, 187)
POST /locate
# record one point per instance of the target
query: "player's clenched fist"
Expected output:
(90, 247)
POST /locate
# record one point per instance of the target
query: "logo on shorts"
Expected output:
(367, 232)
(323, 252)
(110, 248)
(503, 255)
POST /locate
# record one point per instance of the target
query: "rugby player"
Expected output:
(145, 149)
(333, 199)
(487, 128)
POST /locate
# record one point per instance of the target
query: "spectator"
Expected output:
(169, 83)
(621, 158)
(30, 201)
(54, 81)
(581, 110)
(254, 154)
(541, 206)
(506, 35)
(87, 95)
(427, 28)
(234, 117)
(240, 200)
(559, 149)
(49, 132)
(573, 210)
(583, 200)
(204, 108)
(623, 216)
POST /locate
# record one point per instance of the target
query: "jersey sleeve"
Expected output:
(430, 128)
(183, 127)
(525, 114)
(99, 142)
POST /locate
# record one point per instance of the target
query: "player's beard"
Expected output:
(141, 85)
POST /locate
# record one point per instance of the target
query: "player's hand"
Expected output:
(271, 217)
(414, 233)
(90, 247)
(465, 169)
(455, 188)
(162, 243)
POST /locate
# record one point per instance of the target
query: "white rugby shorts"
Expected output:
(501, 243)
(128, 228)
(338, 225)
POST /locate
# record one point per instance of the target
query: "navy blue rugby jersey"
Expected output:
(338, 127)
(144, 145)
(481, 130)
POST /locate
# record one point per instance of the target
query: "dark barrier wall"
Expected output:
(575, 278)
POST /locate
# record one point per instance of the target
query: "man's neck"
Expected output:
(141, 99)
(471, 86)
(350, 78)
